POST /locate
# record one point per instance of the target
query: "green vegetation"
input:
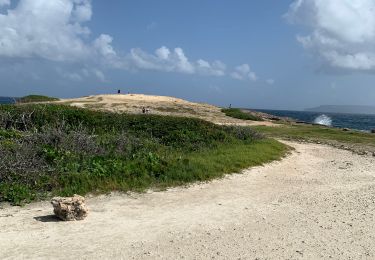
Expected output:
(36, 98)
(237, 113)
(60, 150)
(318, 133)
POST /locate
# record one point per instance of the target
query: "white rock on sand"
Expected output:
(317, 203)
(70, 208)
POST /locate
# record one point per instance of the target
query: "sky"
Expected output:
(290, 54)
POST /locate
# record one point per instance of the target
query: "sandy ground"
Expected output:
(160, 105)
(318, 203)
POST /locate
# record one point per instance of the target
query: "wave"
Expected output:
(323, 120)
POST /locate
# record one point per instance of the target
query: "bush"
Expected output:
(237, 113)
(171, 131)
(52, 149)
(35, 98)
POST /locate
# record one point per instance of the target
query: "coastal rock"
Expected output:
(70, 208)
(373, 131)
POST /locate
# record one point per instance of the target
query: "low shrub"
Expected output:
(50, 149)
(35, 98)
(237, 113)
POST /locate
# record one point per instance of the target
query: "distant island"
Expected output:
(344, 109)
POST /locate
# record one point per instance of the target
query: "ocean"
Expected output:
(353, 121)
(7, 100)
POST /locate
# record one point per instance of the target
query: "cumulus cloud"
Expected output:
(50, 30)
(342, 32)
(4, 2)
(174, 60)
(56, 31)
(103, 45)
(82, 11)
(243, 72)
(163, 53)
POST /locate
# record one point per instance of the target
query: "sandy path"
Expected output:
(317, 203)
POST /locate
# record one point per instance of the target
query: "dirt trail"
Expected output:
(317, 203)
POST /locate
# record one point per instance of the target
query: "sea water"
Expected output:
(353, 121)
(7, 100)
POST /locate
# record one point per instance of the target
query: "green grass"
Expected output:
(229, 158)
(173, 168)
(237, 113)
(318, 133)
(36, 98)
(51, 150)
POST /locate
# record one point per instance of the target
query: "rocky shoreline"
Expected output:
(273, 118)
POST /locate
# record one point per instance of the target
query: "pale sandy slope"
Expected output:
(160, 105)
(317, 203)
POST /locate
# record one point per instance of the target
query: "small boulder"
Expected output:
(70, 208)
(373, 131)
(345, 129)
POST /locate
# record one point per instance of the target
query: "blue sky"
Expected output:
(260, 54)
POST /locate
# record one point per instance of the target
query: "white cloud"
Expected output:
(172, 61)
(82, 11)
(342, 32)
(4, 2)
(55, 31)
(182, 62)
(46, 29)
(243, 72)
(163, 53)
(216, 68)
(103, 45)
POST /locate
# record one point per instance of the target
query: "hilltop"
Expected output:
(158, 105)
